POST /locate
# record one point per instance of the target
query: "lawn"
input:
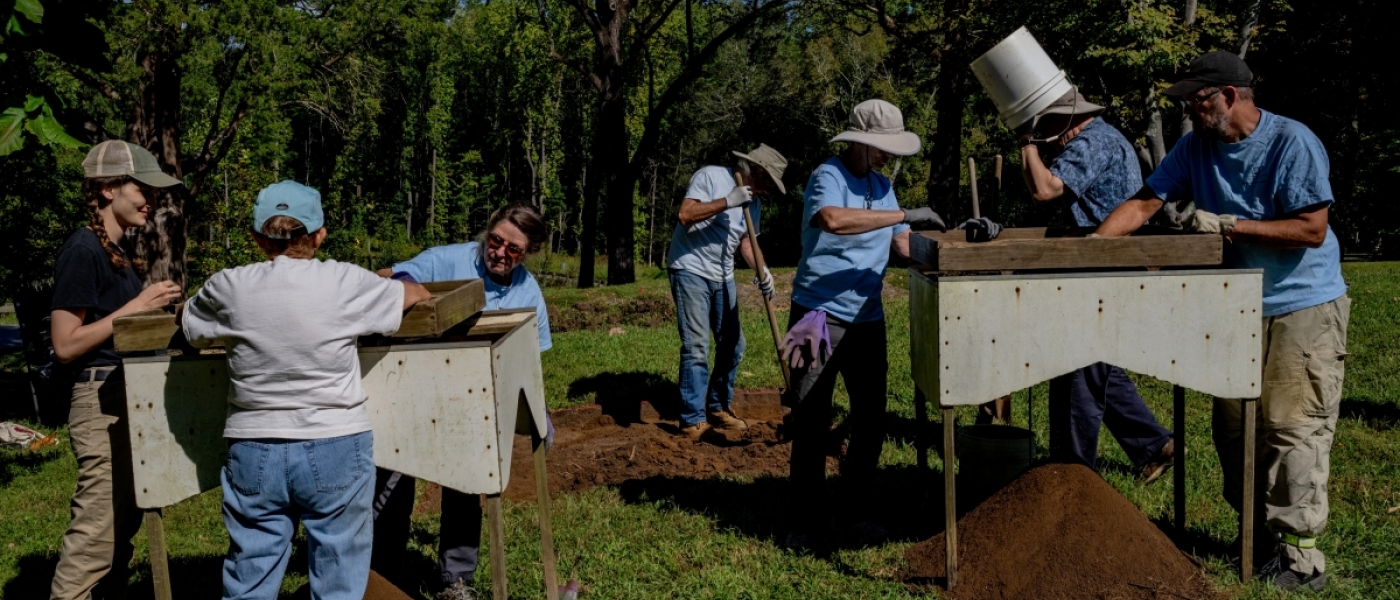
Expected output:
(718, 538)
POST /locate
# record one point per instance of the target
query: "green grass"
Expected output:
(717, 539)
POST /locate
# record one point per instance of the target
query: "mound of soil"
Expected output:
(594, 447)
(605, 311)
(1060, 532)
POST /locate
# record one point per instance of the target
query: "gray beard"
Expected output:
(1214, 126)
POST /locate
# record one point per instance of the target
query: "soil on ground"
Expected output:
(597, 446)
(1060, 532)
(656, 309)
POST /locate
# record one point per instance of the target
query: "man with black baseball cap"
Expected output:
(1260, 180)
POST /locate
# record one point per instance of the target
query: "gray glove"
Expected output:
(739, 196)
(765, 285)
(923, 218)
(981, 229)
(1208, 222)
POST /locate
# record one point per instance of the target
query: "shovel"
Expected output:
(758, 268)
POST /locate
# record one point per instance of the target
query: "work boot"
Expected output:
(1288, 580)
(695, 431)
(1153, 470)
(460, 590)
(725, 419)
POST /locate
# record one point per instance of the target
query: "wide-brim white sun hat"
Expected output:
(879, 124)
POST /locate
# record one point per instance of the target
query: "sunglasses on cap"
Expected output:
(496, 242)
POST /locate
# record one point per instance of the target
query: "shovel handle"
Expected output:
(758, 268)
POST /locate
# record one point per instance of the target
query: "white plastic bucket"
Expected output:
(1020, 77)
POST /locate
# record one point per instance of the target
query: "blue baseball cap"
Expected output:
(289, 199)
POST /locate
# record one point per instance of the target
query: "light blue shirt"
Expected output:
(1279, 169)
(464, 261)
(707, 248)
(844, 274)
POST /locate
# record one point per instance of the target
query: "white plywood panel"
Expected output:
(518, 381)
(176, 410)
(433, 410)
(923, 331)
(1197, 329)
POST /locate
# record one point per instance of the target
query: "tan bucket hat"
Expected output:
(771, 161)
(879, 124)
(1072, 103)
(114, 158)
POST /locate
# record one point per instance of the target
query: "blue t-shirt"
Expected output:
(707, 248)
(1278, 170)
(464, 261)
(844, 274)
(1099, 170)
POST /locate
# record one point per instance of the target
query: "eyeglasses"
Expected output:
(496, 242)
(1198, 101)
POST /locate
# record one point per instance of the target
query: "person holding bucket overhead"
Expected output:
(1091, 169)
(851, 221)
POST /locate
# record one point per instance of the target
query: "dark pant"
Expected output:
(859, 356)
(458, 541)
(1101, 394)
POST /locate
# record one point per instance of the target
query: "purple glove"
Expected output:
(403, 276)
(807, 338)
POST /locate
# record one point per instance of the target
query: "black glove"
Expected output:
(981, 229)
(923, 218)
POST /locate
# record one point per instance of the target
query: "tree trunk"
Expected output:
(945, 146)
(155, 126)
(1188, 19)
(1251, 20)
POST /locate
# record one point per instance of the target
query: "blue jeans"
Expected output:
(702, 307)
(1101, 394)
(325, 484)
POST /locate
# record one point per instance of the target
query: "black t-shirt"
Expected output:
(84, 278)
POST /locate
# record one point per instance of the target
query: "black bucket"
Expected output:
(989, 457)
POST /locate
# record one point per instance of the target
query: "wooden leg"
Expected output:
(920, 428)
(498, 546)
(950, 497)
(160, 566)
(1179, 469)
(1247, 506)
(551, 579)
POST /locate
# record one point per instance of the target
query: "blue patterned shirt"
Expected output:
(1099, 170)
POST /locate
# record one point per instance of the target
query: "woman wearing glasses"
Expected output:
(497, 257)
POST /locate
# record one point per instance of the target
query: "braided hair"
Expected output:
(92, 192)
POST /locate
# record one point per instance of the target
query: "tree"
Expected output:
(620, 45)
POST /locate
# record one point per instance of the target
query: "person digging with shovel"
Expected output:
(851, 221)
(710, 228)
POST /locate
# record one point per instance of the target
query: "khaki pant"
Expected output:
(97, 546)
(1304, 361)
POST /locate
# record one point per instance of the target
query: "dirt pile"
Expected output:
(380, 589)
(1060, 532)
(594, 447)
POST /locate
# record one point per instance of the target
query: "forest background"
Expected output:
(417, 118)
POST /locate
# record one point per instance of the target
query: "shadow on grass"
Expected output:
(621, 394)
(190, 577)
(906, 501)
(15, 463)
(1199, 542)
(1376, 415)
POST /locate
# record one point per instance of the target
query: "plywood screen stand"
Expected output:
(972, 339)
(471, 391)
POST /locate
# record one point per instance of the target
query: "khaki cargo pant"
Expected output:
(1304, 361)
(97, 546)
